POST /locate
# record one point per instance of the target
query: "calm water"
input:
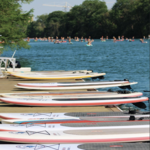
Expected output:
(121, 60)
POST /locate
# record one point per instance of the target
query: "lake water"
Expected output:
(120, 60)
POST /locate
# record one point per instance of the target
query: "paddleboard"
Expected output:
(71, 102)
(92, 146)
(74, 95)
(53, 72)
(61, 115)
(75, 119)
(77, 136)
(57, 76)
(70, 83)
(72, 87)
(56, 127)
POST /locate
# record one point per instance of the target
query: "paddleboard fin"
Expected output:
(98, 77)
(131, 118)
(140, 105)
(126, 87)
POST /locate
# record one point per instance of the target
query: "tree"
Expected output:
(13, 24)
(54, 22)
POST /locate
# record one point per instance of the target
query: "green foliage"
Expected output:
(13, 24)
(92, 18)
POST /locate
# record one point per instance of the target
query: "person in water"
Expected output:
(89, 43)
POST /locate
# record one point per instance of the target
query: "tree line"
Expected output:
(92, 18)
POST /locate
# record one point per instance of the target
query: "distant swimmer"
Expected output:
(114, 39)
(89, 43)
(130, 40)
(142, 41)
(69, 40)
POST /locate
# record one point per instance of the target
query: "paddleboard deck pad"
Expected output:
(92, 146)
(77, 136)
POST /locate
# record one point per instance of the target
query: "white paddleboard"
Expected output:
(93, 146)
(69, 83)
(84, 95)
(75, 87)
(90, 94)
(56, 127)
(61, 115)
(77, 136)
(58, 120)
(57, 76)
(71, 102)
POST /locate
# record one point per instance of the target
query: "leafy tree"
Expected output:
(13, 24)
(54, 22)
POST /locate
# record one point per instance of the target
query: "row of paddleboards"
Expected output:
(68, 128)
(74, 85)
(93, 146)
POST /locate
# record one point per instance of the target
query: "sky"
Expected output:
(39, 9)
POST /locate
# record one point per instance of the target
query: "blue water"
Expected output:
(120, 60)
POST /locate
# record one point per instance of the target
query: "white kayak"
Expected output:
(71, 102)
(74, 87)
(138, 133)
